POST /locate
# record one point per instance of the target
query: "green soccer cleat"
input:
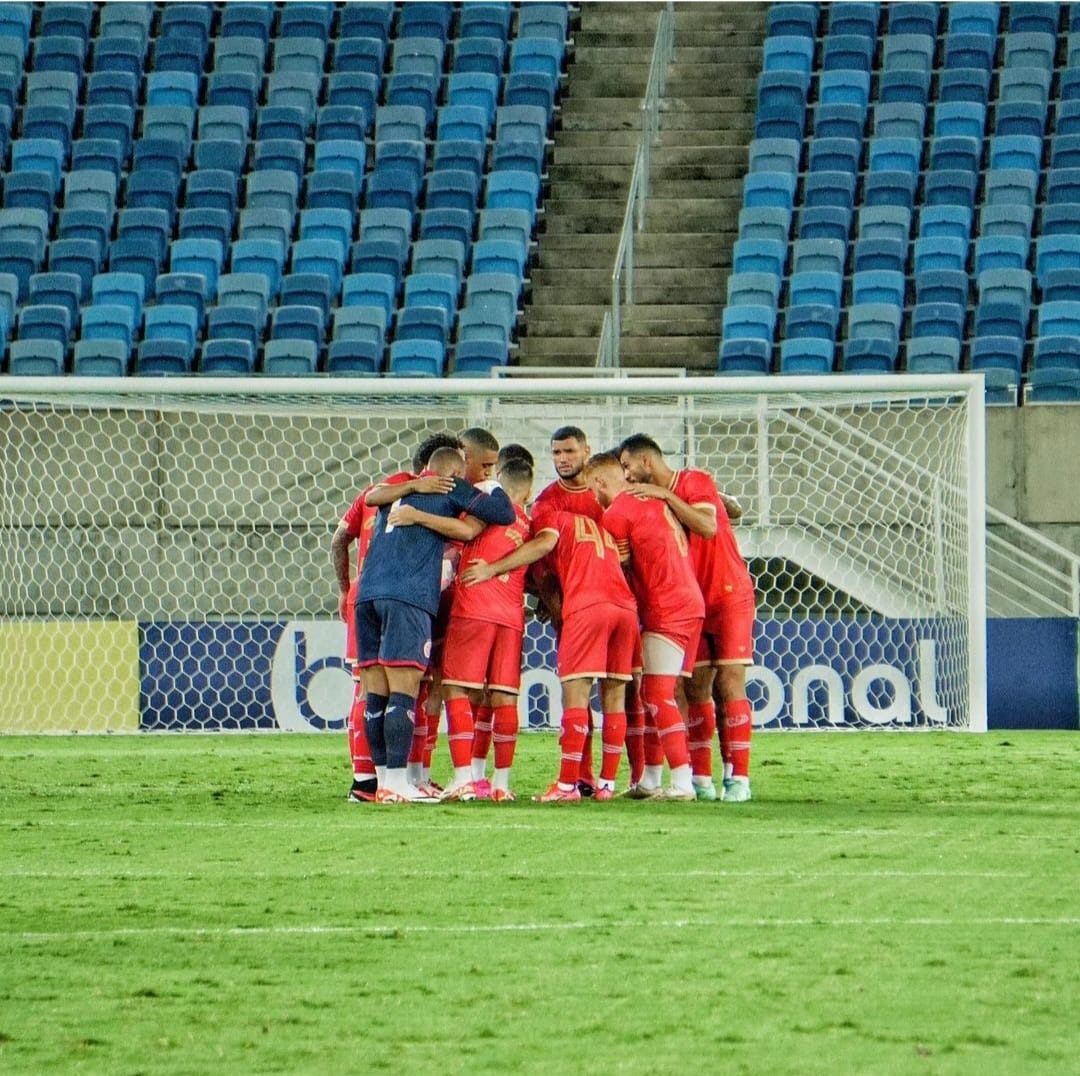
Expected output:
(736, 789)
(706, 793)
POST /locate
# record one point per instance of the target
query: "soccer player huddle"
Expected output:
(636, 567)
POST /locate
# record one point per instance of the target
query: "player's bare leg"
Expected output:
(735, 730)
(700, 729)
(613, 704)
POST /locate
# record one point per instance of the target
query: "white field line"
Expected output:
(343, 871)
(397, 929)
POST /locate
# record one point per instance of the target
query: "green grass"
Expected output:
(886, 904)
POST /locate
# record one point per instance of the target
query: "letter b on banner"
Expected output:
(310, 685)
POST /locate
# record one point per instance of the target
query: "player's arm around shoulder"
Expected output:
(494, 507)
(451, 528)
(388, 492)
(479, 571)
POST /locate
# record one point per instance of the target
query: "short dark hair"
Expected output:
(565, 433)
(478, 437)
(430, 446)
(446, 456)
(515, 451)
(639, 442)
(516, 472)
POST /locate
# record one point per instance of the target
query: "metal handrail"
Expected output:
(1065, 574)
(622, 275)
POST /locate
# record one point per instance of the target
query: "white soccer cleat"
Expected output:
(736, 790)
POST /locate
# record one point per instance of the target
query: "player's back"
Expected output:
(586, 561)
(405, 563)
(718, 563)
(661, 574)
(560, 497)
(499, 599)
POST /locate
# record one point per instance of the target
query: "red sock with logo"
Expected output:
(359, 751)
(700, 730)
(586, 772)
(614, 739)
(735, 736)
(459, 731)
(419, 743)
(575, 727)
(659, 695)
(432, 739)
(504, 733)
(482, 728)
(635, 734)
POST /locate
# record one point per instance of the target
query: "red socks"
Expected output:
(614, 741)
(359, 751)
(575, 727)
(658, 693)
(505, 732)
(700, 730)
(459, 731)
(735, 736)
(482, 727)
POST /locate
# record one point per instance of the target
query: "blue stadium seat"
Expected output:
(824, 222)
(840, 121)
(1004, 286)
(1053, 385)
(512, 225)
(227, 358)
(359, 56)
(870, 355)
(823, 255)
(742, 355)
(306, 20)
(1001, 319)
(1060, 318)
(237, 89)
(1061, 352)
(942, 286)
(379, 256)
(44, 322)
(485, 20)
(391, 188)
(392, 225)
(149, 188)
(828, 155)
(244, 289)
(477, 358)
(770, 189)
(791, 54)
(265, 256)
(955, 152)
(290, 358)
(532, 88)
(249, 20)
(437, 290)
(806, 355)
(361, 322)
(950, 186)
(107, 322)
(908, 52)
(57, 289)
(816, 321)
(310, 290)
(530, 55)
(939, 252)
(447, 257)
(1000, 252)
(121, 289)
(198, 257)
(236, 322)
(903, 86)
(417, 358)
(270, 189)
(329, 189)
(354, 358)
(370, 289)
(101, 358)
(938, 319)
(1006, 220)
(899, 119)
(884, 222)
(1030, 49)
(282, 154)
(765, 222)
(759, 256)
(422, 323)
(844, 87)
(29, 190)
(1016, 151)
(163, 358)
(341, 122)
(1028, 84)
(486, 55)
(753, 289)
(784, 93)
(182, 289)
(543, 20)
(814, 286)
(890, 187)
(878, 286)
(298, 323)
(753, 322)
(946, 220)
(858, 19)
(933, 355)
(169, 321)
(415, 90)
(340, 155)
(417, 55)
(36, 358)
(969, 85)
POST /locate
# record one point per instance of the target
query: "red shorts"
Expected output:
(598, 643)
(350, 624)
(478, 654)
(728, 635)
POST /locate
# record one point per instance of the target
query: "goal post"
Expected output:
(165, 543)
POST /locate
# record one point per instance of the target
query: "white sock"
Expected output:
(607, 784)
(380, 776)
(462, 775)
(565, 787)
(728, 770)
(652, 777)
(680, 778)
(397, 780)
(702, 782)
(500, 779)
(479, 769)
(415, 772)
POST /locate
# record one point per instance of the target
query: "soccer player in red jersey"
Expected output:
(356, 526)
(484, 636)
(726, 647)
(597, 637)
(669, 603)
(568, 493)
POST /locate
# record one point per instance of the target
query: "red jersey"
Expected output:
(660, 569)
(359, 520)
(718, 565)
(560, 497)
(499, 600)
(586, 560)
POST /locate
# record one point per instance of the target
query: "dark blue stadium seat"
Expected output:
(742, 355)
(824, 222)
(44, 322)
(249, 20)
(227, 357)
(477, 358)
(354, 358)
(1053, 385)
(101, 357)
(55, 288)
(310, 290)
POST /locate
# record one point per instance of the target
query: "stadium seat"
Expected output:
(742, 355)
(417, 358)
(120, 289)
(163, 357)
(322, 255)
(760, 256)
(97, 357)
(378, 256)
(933, 355)
(477, 358)
(227, 358)
(36, 358)
(844, 87)
(946, 220)
(298, 323)
(1000, 252)
(236, 323)
(44, 322)
(1001, 319)
(765, 222)
(1053, 385)
(879, 286)
(748, 322)
(824, 222)
(839, 121)
(899, 119)
(807, 355)
(884, 222)
(970, 85)
(1012, 221)
(290, 358)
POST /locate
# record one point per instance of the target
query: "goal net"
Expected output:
(165, 546)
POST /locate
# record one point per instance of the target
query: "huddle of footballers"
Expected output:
(635, 565)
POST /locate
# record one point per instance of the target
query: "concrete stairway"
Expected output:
(683, 257)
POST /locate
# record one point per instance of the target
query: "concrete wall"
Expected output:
(1033, 468)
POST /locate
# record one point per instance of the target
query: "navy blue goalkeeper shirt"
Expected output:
(405, 563)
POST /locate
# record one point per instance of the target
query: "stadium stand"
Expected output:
(192, 149)
(941, 153)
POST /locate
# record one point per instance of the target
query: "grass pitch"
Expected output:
(886, 904)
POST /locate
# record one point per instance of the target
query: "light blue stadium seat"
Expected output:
(884, 222)
(754, 322)
(878, 286)
(417, 358)
(36, 358)
(825, 222)
(227, 358)
(744, 355)
(290, 358)
(933, 355)
(807, 355)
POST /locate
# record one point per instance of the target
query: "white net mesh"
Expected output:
(165, 564)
